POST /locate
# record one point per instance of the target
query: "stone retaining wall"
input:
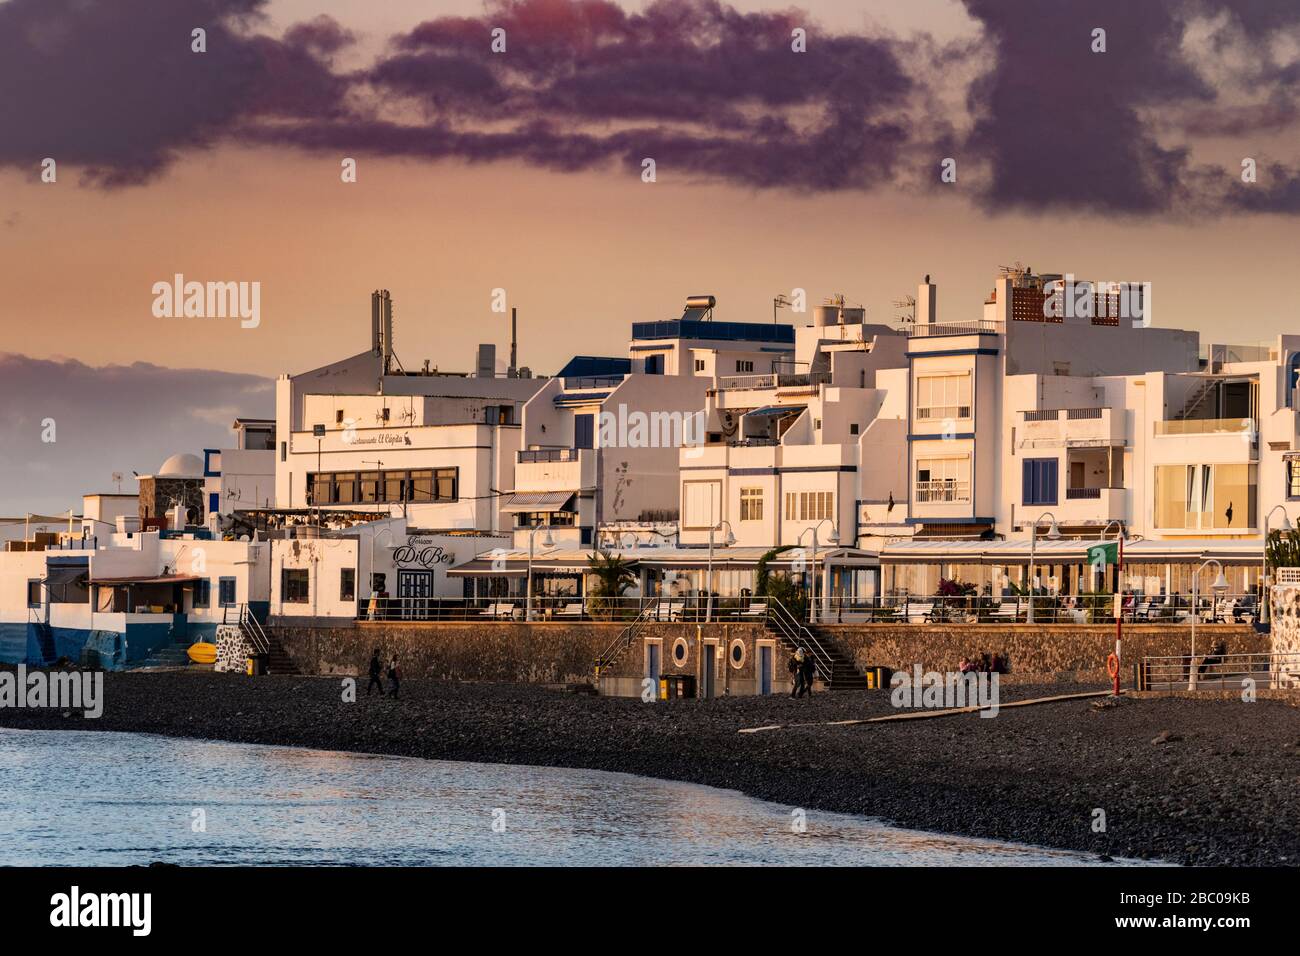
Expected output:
(1037, 651)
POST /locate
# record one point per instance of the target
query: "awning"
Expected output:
(774, 411)
(1072, 550)
(528, 501)
(144, 579)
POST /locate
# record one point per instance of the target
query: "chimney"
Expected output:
(927, 296)
(487, 361)
(514, 345)
(381, 326)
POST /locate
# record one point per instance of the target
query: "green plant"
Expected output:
(761, 572)
(1282, 551)
(614, 575)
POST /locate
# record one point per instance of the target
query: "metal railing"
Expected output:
(974, 327)
(1216, 670)
(248, 624)
(559, 608)
(625, 637)
(1048, 609)
(940, 490)
(796, 632)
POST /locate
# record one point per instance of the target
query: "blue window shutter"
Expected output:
(1027, 482)
(1049, 481)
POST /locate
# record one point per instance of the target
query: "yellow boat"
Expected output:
(203, 653)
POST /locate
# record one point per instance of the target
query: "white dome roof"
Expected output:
(181, 466)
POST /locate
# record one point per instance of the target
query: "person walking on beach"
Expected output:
(796, 672)
(807, 670)
(394, 678)
(376, 674)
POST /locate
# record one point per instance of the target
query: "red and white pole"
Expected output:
(1119, 618)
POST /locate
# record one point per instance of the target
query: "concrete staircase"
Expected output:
(170, 655)
(278, 660)
(844, 673)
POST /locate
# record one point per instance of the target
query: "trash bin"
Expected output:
(878, 678)
(676, 686)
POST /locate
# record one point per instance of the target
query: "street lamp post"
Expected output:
(832, 538)
(1220, 584)
(1264, 597)
(730, 540)
(547, 542)
(1053, 534)
(388, 530)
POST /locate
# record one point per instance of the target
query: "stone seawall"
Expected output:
(538, 653)
(1035, 651)
(559, 653)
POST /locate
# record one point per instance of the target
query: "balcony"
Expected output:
(1057, 427)
(1209, 426)
(555, 469)
(1092, 506)
(941, 491)
(774, 380)
(974, 327)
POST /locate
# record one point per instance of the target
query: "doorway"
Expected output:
(765, 668)
(709, 664)
(414, 591)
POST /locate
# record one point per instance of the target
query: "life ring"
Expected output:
(1112, 665)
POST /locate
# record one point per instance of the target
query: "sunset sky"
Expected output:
(522, 170)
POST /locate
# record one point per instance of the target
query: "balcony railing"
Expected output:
(942, 490)
(977, 327)
(548, 454)
(1054, 414)
(774, 380)
(1207, 426)
(1083, 492)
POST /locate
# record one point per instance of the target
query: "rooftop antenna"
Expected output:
(117, 480)
(907, 306)
(780, 302)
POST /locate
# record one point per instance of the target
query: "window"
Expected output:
(654, 365)
(294, 586)
(942, 479)
(370, 487)
(1205, 497)
(942, 396)
(385, 414)
(284, 451)
(809, 505)
(33, 592)
(699, 365)
(1293, 478)
(751, 504)
(584, 431)
(744, 365)
(853, 428)
(226, 592)
(1039, 481)
(817, 424)
(345, 489)
(338, 417)
(347, 584)
(203, 593)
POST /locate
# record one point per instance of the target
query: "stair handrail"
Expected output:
(798, 634)
(625, 636)
(252, 629)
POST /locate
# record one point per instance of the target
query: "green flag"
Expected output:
(1103, 554)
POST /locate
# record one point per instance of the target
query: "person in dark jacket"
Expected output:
(394, 678)
(796, 672)
(376, 674)
(806, 672)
